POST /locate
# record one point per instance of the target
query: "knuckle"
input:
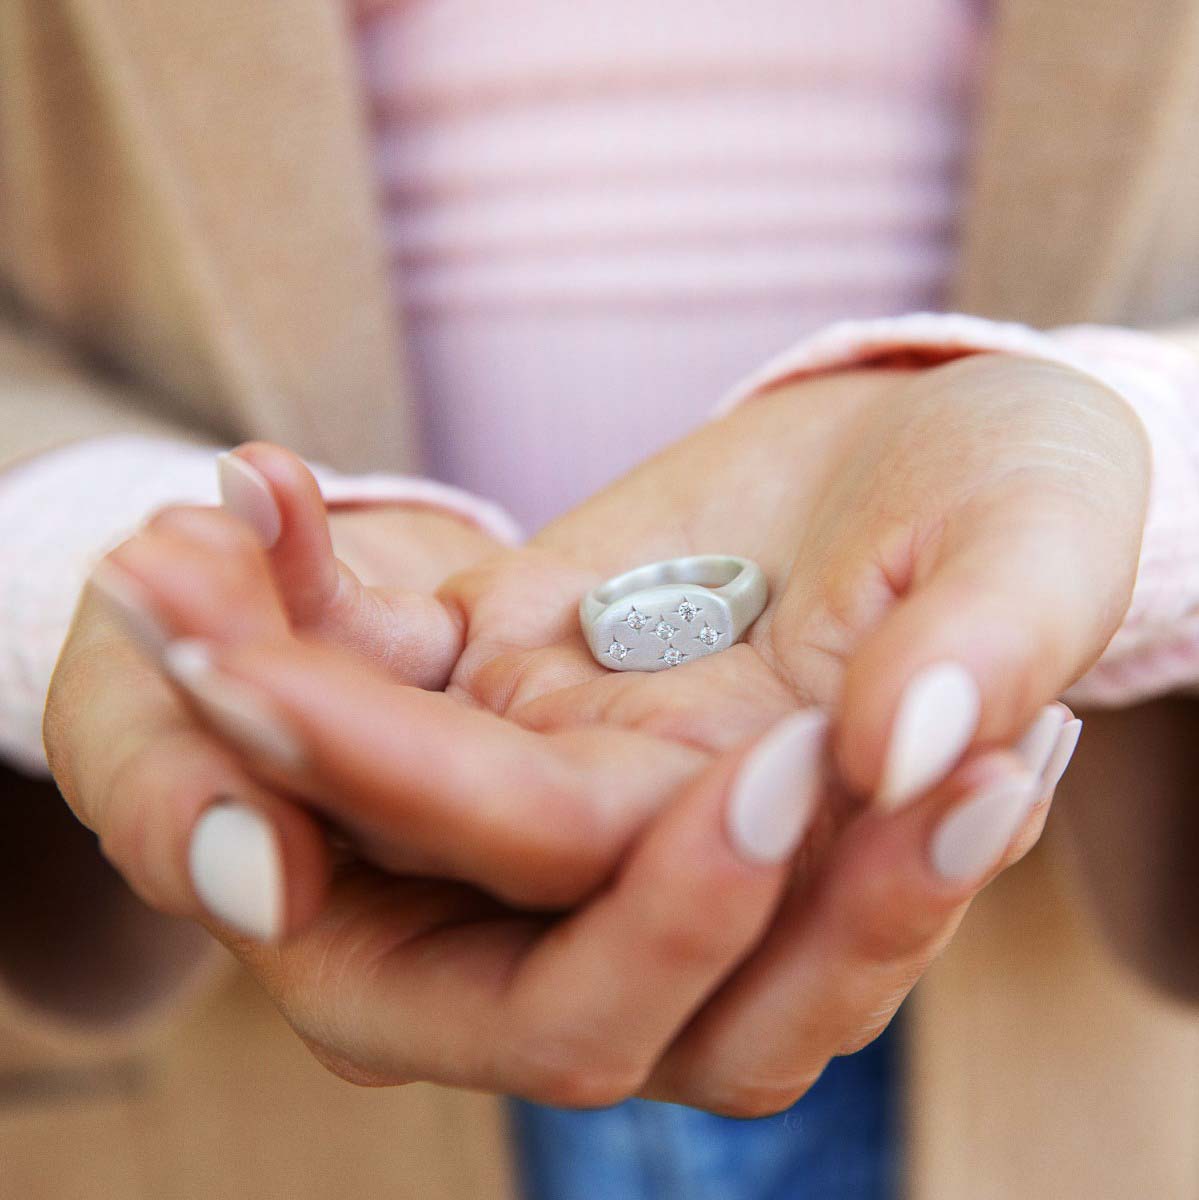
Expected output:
(492, 676)
(350, 1071)
(881, 938)
(584, 1088)
(884, 929)
(749, 1101)
(678, 942)
(568, 1072)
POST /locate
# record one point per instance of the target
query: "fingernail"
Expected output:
(231, 705)
(130, 604)
(247, 495)
(1059, 760)
(973, 837)
(938, 714)
(1037, 744)
(237, 870)
(776, 789)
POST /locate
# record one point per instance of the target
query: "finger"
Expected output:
(575, 1014)
(525, 638)
(1020, 597)
(188, 829)
(201, 573)
(842, 954)
(414, 636)
(427, 783)
(277, 496)
(692, 901)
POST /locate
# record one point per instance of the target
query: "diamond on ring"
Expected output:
(636, 621)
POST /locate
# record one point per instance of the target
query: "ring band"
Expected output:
(672, 612)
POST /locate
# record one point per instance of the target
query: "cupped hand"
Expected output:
(139, 767)
(948, 550)
(984, 515)
(648, 986)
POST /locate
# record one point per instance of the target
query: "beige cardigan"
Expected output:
(187, 206)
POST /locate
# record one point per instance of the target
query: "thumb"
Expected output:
(1016, 600)
(413, 635)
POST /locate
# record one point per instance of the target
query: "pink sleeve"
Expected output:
(1156, 649)
(60, 512)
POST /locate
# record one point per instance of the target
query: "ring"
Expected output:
(672, 612)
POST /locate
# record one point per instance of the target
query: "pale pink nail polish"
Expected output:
(232, 706)
(973, 837)
(1059, 759)
(246, 494)
(129, 603)
(777, 788)
(1036, 746)
(937, 716)
(237, 870)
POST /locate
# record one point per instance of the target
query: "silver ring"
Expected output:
(672, 612)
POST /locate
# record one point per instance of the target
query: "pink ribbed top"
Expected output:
(601, 214)
(604, 216)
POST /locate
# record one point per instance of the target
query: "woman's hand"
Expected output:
(654, 985)
(139, 768)
(984, 516)
(921, 495)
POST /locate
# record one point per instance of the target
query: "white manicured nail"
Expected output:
(938, 714)
(1059, 760)
(247, 495)
(1037, 744)
(974, 836)
(232, 706)
(130, 604)
(776, 789)
(237, 870)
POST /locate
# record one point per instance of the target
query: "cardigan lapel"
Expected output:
(1081, 160)
(244, 127)
(1083, 208)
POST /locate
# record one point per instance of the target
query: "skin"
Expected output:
(538, 908)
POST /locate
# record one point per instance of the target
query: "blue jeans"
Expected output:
(838, 1143)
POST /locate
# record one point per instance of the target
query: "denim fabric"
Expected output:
(838, 1143)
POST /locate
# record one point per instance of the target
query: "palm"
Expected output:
(525, 657)
(855, 493)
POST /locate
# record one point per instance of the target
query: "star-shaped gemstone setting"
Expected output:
(664, 629)
(672, 656)
(636, 620)
(617, 651)
(687, 610)
(709, 636)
